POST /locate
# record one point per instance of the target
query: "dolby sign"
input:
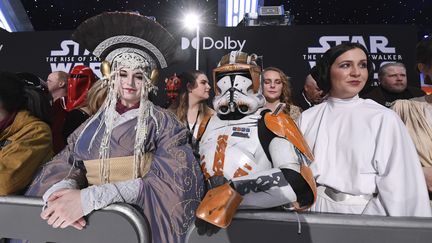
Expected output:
(208, 43)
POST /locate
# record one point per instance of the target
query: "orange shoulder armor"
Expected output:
(284, 126)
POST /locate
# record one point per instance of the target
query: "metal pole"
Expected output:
(197, 47)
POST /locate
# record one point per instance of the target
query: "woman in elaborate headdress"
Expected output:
(132, 150)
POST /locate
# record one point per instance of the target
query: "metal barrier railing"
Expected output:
(274, 226)
(19, 219)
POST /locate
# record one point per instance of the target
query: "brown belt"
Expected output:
(341, 196)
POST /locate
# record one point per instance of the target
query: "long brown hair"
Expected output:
(96, 95)
(181, 105)
(286, 96)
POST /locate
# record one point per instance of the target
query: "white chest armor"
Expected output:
(232, 148)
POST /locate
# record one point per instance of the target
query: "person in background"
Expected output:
(95, 97)
(131, 150)
(276, 90)
(393, 85)
(57, 86)
(172, 89)
(424, 59)
(80, 80)
(311, 93)
(25, 136)
(41, 104)
(416, 113)
(365, 162)
(190, 106)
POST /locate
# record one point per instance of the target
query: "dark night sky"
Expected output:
(67, 14)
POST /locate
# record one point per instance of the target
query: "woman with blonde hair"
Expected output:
(277, 89)
(95, 97)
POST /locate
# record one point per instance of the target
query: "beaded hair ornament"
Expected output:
(126, 40)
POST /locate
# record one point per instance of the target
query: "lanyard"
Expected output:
(191, 130)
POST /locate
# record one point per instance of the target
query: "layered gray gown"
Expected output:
(171, 190)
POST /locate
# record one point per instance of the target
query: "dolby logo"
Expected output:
(208, 43)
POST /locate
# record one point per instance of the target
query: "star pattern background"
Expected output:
(67, 14)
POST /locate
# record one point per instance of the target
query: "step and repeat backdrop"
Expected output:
(294, 49)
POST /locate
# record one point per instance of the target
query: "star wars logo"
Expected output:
(378, 47)
(70, 55)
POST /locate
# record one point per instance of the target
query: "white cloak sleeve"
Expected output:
(400, 182)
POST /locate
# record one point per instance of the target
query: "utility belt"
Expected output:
(215, 181)
(338, 196)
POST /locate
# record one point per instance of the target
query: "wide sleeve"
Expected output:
(62, 166)
(20, 159)
(414, 117)
(168, 193)
(172, 189)
(400, 182)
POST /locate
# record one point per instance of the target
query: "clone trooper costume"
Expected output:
(251, 157)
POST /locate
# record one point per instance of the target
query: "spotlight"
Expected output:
(191, 21)
(4, 24)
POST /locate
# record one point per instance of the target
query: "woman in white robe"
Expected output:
(365, 161)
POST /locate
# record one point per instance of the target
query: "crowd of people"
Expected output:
(337, 146)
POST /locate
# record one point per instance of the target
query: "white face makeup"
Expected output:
(130, 87)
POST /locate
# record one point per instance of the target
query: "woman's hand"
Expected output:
(64, 209)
